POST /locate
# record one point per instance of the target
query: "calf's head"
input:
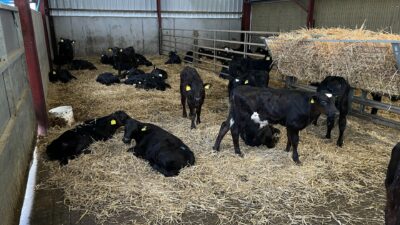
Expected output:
(324, 102)
(195, 92)
(119, 118)
(131, 127)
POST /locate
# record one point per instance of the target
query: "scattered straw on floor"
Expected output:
(334, 185)
(368, 66)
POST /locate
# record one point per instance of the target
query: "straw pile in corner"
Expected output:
(368, 66)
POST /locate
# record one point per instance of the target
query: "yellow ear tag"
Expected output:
(110, 50)
(312, 101)
(120, 50)
(144, 128)
(62, 40)
(113, 122)
(188, 88)
(207, 86)
(268, 58)
(246, 81)
(54, 72)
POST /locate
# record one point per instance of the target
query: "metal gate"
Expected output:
(184, 40)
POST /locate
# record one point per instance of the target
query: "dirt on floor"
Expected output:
(333, 185)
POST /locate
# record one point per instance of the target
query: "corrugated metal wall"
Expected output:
(377, 15)
(286, 15)
(278, 16)
(99, 24)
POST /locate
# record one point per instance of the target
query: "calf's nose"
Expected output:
(126, 140)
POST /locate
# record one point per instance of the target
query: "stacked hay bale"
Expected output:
(366, 65)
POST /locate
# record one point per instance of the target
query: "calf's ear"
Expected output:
(207, 86)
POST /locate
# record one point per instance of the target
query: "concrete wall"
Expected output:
(17, 119)
(41, 47)
(95, 34)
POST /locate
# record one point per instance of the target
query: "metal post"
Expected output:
(53, 39)
(32, 60)
(363, 96)
(195, 49)
(43, 10)
(159, 27)
(215, 52)
(245, 45)
(351, 97)
(174, 39)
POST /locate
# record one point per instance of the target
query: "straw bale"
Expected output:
(264, 187)
(368, 66)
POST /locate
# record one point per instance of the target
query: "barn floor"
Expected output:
(110, 186)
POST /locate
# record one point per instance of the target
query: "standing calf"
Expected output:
(164, 151)
(392, 184)
(339, 88)
(293, 109)
(192, 90)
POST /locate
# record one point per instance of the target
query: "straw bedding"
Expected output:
(333, 186)
(368, 66)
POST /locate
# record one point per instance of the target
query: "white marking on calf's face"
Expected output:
(329, 95)
(256, 118)
(231, 122)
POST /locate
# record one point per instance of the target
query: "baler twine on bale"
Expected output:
(369, 66)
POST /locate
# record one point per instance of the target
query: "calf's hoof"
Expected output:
(240, 154)
(298, 162)
(328, 136)
(215, 148)
(339, 143)
(184, 115)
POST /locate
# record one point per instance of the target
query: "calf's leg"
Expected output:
(342, 127)
(289, 142)
(183, 102)
(294, 139)
(198, 112)
(330, 122)
(192, 116)
(222, 132)
(235, 139)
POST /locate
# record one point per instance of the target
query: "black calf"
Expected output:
(263, 106)
(165, 152)
(392, 184)
(378, 97)
(189, 56)
(147, 81)
(173, 58)
(339, 88)
(206, 53)
(107, 79)
(160, 73)
(60, 75)
(192, 90)
(254, 78)
(65, 52)
(141, 60)
(78, 64)
(74, 142)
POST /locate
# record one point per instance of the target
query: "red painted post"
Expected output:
(32, 60)
(246, 14)
(53, 39)
(159, 27)
(310, 14)
(43, 9)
